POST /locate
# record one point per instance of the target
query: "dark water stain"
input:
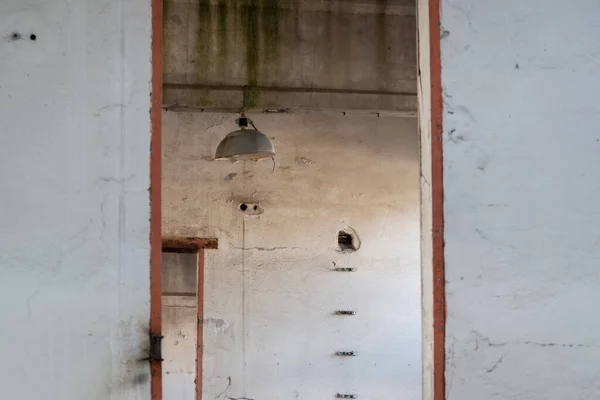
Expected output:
(383, 48)
(249, 14)
(329, 40)
(222, 13)
(270, 28)
(296, 17)
(204, 40)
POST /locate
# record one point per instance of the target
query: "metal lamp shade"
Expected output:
(245, 144)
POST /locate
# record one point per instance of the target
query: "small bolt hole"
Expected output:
(255, 208)
(32, 37)
(243, 207)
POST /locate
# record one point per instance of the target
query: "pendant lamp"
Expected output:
(245, 143)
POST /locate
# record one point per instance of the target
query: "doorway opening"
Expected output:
(343, 119)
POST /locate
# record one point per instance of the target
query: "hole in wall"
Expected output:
(345, 241)
(32, 37)
(251, 209)
(348, 240)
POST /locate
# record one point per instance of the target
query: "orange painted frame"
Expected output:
(437, 204)
(155, 193)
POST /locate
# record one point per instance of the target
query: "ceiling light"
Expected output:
(245, 144)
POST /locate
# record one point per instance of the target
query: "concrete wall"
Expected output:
(521, 159)
(350, 45)
(74, 148)
(269, 327)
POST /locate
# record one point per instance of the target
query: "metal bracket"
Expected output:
(155, 352)
(346, 353)
(345, 312)
(344, 269)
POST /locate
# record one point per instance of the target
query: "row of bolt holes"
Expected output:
(17, 36)
(345, 243)
(244, 207)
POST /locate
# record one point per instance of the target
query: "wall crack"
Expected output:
(495, 365)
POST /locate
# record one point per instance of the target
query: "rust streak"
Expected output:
(188, 244)
(437, 177)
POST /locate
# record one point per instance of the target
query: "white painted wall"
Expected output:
(521, 159)
(424, 97)
(74, 209)
(270, 293)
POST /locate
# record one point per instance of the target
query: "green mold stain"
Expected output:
(258, 21)
(270, 27)
(203, 59)
(167, 45)
(249, 13)
(222, 13)
(383, 49)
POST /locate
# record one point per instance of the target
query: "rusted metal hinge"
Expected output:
(155, 351)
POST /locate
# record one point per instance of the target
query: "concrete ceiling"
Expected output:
(346, 55)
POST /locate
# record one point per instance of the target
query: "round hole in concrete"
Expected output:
(243, 207)
(348, 240)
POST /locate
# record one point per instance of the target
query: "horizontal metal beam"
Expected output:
(297, 111)
(283, 89)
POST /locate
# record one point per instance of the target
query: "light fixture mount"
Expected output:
(243, 121)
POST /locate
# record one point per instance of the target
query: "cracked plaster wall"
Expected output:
(74, 207)
(270, 293)
(521, 162)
